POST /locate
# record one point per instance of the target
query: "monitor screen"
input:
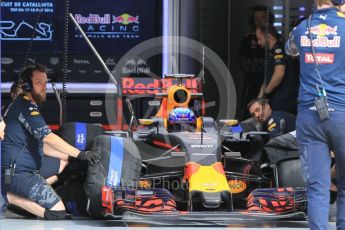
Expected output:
(25, 22)
(33, 31)
(113, 26)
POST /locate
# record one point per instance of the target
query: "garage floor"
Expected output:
(16, 222)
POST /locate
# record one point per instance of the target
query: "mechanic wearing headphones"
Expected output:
(321, 109)
(22, 150)
(51, 167)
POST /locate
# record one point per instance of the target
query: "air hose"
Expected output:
(265, 63)
(65, 70)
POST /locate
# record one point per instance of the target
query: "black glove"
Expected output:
(64, 175)
(91, 156)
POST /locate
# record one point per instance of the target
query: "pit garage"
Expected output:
(161, 90)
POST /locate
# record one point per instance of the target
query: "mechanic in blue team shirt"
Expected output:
(22, 150)
(321, 107)
(276, 123)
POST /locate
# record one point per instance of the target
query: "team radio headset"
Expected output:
(26, 83)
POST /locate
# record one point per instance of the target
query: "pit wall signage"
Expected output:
(109, 26)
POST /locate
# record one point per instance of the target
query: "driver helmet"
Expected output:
(182, 116)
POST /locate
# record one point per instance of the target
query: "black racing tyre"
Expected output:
(74, 198)
(290, 173)
(120, 166)
(281, 147)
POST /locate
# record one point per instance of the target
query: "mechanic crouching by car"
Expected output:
(51, 167)
(22, 150)
(274, 122)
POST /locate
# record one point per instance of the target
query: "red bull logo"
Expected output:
(93, 19)
(321, 42)
(125, 19)
(323, 30)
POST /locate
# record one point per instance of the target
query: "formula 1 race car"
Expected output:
(183, 165)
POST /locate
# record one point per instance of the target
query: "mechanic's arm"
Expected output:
(55, 143)
(2, 128)
(290, 46)
(34, 123)
(277, 78)
(278, 74)
(49, 151)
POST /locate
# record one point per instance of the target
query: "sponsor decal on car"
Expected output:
(202, 146)
(203, 154)
(151, 86)
(237, 186)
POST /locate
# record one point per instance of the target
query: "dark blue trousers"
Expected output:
(316, 139)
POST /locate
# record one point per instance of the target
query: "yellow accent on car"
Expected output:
(165, 123)
(207, 179)
(171, 100)
(198, 124)
(146, 122)
(168, 101)
(144, 184)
